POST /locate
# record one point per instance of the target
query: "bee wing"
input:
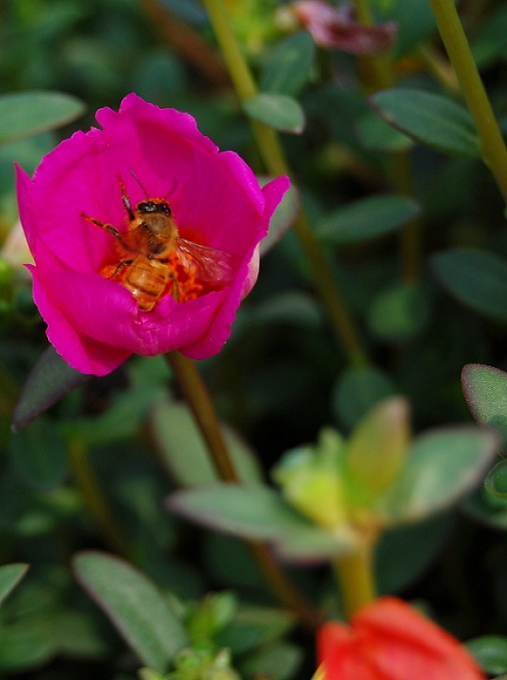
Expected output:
(211, 266)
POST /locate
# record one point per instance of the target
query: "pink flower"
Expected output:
(82, 275)
(388, 640)
(336, 28)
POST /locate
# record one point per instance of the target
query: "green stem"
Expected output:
(356, 578)
(198, 398)
(456, 44)
(276, 164)
(378, 75)
(199, 401)
(94, 500)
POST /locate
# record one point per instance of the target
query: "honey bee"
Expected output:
(155, 261)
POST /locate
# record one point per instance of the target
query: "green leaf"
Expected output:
(39, 454)
(485, 390)
(10, 576)
(357, 390)
(24, 114)
(376, 449)
(414, 19)
(279, 111)
(289, 307)
(399, 313)
(476, 278)
(134, 605)
(290, 65)
(258, 512)
(375, 133)
(490, 652)
(50, 379)
(496, 481)
(184, 453)
(429, 118)
(441, 466)
(490, 41)
(367, 218)
(279, 661)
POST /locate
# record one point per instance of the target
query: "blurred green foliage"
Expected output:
(281, 376)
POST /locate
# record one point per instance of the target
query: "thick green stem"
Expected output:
(201, 405)
(94, 500)
(276, 164)
(356, 578)
(456, 44)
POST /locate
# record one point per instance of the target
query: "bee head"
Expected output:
(156, 205)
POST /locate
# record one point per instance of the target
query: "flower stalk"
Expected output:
(356, 578)
(198, 399)
(274, 159)
(378, 75)
(94, 500)
(458, 49)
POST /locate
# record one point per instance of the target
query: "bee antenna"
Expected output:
(139, 182)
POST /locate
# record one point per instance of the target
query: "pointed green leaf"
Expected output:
(258, 512)
(279, 111)
(24, 114)
(50, 379)
(135, 606)
(485, 390)
(429, 118)
(441, 466)
(367, 218)
(377, 448)
(476, 278)
(10, 576)
(375, 133)
(246, 511)
(289, 67)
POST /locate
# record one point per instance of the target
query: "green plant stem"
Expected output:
(456, 44)
(94, 500)
(378, 75)
(355, 575)
(276, 164)
(198, 399)
(201, 405)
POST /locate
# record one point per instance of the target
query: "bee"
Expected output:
(154, 261)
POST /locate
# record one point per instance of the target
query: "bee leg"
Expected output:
(109, 228)
(112, 272)
(175, 291)
(126, 200)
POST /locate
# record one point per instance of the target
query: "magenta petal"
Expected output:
(85, 193)
(79, 351)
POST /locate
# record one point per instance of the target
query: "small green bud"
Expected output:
(310, 478)
(376, 450)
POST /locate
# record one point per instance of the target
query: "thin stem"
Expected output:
(356, 578)
(94, 500)
(456, 44)
(199, 401)
(378, 75)
(274, 159)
